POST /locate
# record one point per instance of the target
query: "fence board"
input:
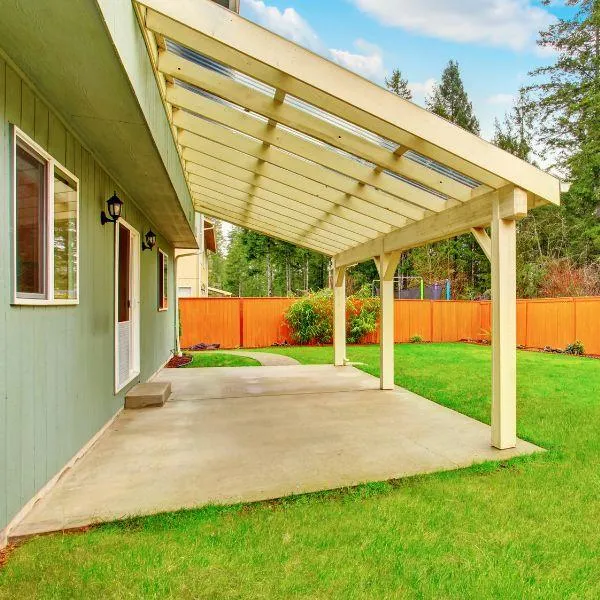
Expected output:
(263, 323)
(258, 322)
(587, 323)
(210, 320)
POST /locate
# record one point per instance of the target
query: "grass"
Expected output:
(220, 359)
(529, 528)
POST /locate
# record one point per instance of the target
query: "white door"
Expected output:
(127, 304)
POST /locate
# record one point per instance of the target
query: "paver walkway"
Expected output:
(254, 433)
(266, 359)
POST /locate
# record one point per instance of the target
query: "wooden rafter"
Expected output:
(279, 112)
(275, 165)
(297, 145)
(244, 46)
(316, 218)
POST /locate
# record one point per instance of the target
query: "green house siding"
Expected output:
(57, 362)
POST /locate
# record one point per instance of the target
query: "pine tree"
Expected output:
(567, 99)
(397, 84)
(515, 133)
(449, 100)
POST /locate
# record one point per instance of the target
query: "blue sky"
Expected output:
(493, 40)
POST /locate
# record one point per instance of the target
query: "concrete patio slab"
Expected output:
(255, 433)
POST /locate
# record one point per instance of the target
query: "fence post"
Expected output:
(241, 303)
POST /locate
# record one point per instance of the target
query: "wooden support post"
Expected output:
(386, 265)
(504, 330)
(339, 316)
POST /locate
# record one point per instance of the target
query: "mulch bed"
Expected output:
(546, 350)
(203, 346)
(179, 361)
(4, 552)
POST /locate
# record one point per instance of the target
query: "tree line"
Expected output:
(554, 122)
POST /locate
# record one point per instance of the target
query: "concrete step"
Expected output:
(144, 395)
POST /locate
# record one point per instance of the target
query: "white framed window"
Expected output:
(163, 280)
(45, 227)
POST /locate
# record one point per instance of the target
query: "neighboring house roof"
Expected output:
(283, 141)
(210, 241)
(219, 292)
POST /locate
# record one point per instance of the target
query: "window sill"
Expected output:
(36, 302)
(163, 309)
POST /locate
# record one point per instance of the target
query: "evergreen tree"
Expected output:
(449, 100)
(397, 84)
(567, 100)
(515, 133)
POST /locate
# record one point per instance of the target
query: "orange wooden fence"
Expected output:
(258, 322)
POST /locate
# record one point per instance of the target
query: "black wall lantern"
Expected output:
(114, 204)
(150, 240)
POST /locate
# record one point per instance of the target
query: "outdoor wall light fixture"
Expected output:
(150, 240)
(114, 204)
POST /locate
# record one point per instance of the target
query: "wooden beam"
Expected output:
(300, 120)
(243, 199)
(214, 153)
(276, 136)
(483, 239)
(267, 57)
(228, 138)
(504, 330)
(452, 222)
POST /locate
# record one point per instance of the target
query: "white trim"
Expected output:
(46, 299)
(5, 533)
(134, 275)
(165, 283)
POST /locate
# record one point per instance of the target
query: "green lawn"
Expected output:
(529, 528)
(220, 359)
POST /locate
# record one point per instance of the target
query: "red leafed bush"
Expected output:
(564, 278)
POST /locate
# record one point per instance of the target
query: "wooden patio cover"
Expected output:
(278, 139)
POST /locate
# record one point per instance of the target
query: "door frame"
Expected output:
(134, 279)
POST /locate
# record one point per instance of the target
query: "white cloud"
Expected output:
(368, 62)
(504, 23)
(287, 23)
(422, 89)
(501, 99)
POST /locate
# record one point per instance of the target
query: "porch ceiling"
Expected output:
(280, 140)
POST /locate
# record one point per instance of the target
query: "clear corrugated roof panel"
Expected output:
(250, 82)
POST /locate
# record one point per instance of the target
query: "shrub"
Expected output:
(362, 315)
(415, 339)
(311, 318)
(575, 348)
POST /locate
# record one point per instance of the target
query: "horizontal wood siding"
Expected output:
(553, 322)
(56, 362)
